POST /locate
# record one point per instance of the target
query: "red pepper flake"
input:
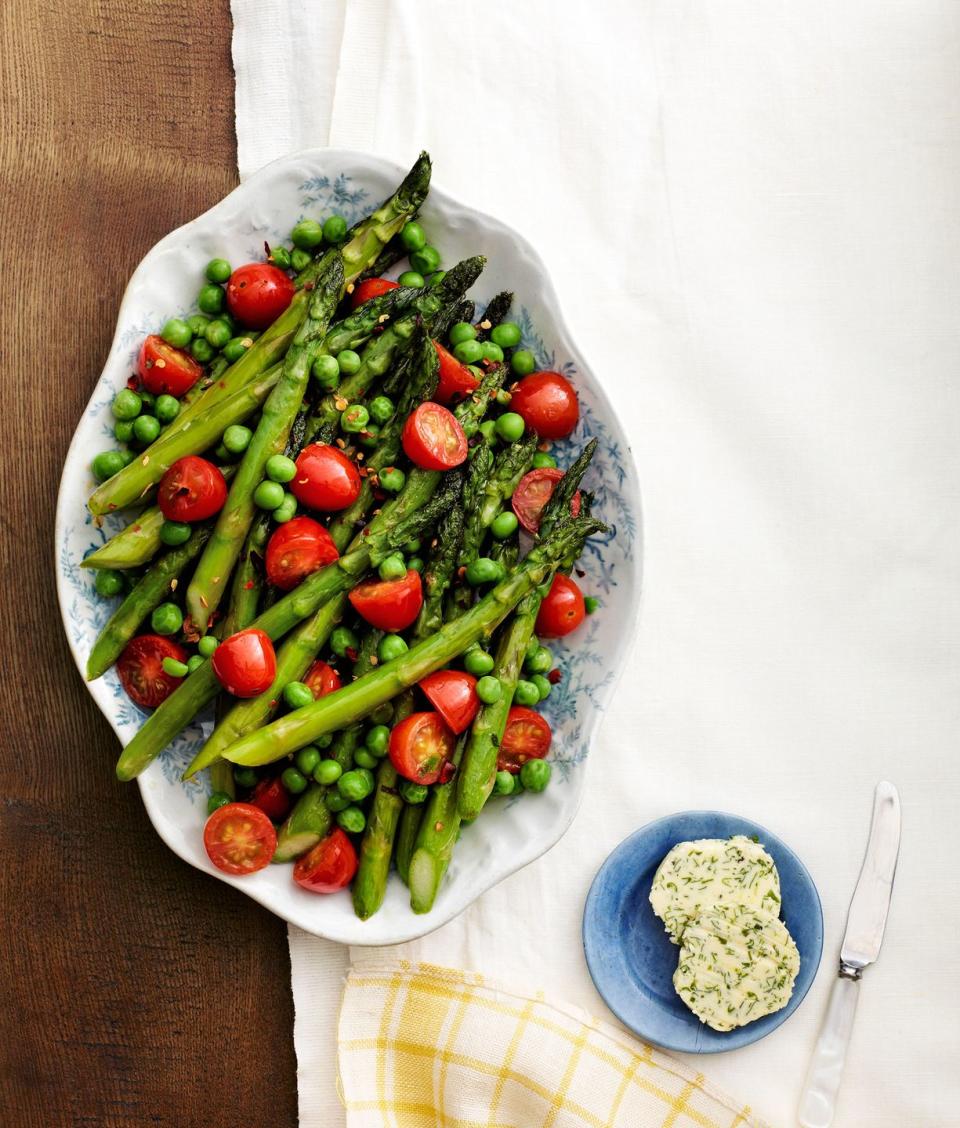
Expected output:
(461, 571)
(145, 461)
(351, 653)
(173, 583)
(137, 528)
(249, 585)
(486, 323)
(543, 447)
(374, 660)
(342, 444)
(340, 403)
(447, 771)
(133, 383)
(351, 288)
(438, 826)
(580, 572)
(555, 675)
(274, 703)
(308, 286)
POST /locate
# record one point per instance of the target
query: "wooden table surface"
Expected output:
(134, 989)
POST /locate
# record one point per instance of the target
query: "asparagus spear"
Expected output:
(510, 466)
(132, 546)
(146, 595)
(210, 578)
(439, 828)
(247, 580)
(497, 309)
(406, 839)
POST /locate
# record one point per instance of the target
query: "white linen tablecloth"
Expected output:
(750, 210)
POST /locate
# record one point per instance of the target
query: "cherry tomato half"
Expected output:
(296, 549)
(272, 798)
(533, 492)
(548, 404)
(371, 288)
(329, 866)
(563, 609)
(321, 679)
(456, 380)
(164, 370)
(453, 694)
(258, 293)
(239, 838)
(245, 663)
(193, 489)
(326, 479)
(433, 439)
(526, 737)
(420, 747)
(141, 672)
(389, 605)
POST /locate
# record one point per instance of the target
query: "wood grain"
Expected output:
(134, 991)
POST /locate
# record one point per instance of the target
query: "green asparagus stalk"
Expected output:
(143, 598)
(439, 828)
(247, 582)
(406, 839)
(440, 570)
(497, 309)
(308, 822)
(219, 557)
(510, 466)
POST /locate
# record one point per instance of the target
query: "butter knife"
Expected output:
(866, 921)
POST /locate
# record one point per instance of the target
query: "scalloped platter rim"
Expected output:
(515, 831)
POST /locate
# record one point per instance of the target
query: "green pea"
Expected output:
(294, 781)
(194, 662)
(334, 801)
(510, 427)
(363, 759)
(483, 570)
(108, 583)
(503, 397)
(218, 270)
(343, 639)
(326, 371)
(352, 820)
(523, 362)
(356, 784)
(327, 772)
(492, 352)
(176, 332)
(235, 348)
(207, 645)
(462, 331)
(543, 686)
(231, 324)
(335, 229)
(504, 525)
(526, 693)
(412, 793)
(168, 408)
(393, 568)
(535, 775)
(369, 437)
(296, 695)
(280, 468)
(146, 428)
(175, 532)
(307, 234)
(382, 715)
(324, 741)
(591, 604)
(489, 431)
(128, 456)
(236, 438)
(349, 362)
(413, 279)
(202, 350)
(469, 352)
(286, 510)
(210, 298)
(300, 259)
(539, 660)
(268, 495)
(478, 662)
(126, 405)
(503, 783)
(166, 619)
(415, 564)
(426, 260)
(391, 646)
(149, 401)
(280, 257)
(197, 324)
(218, 333)
(413, 236)
(106, 464)
(412, 546)
(506, 334)
(382, 409)
(123, 431)
(216, 800)
(174, 668)
(377, 740)
(244, 777)
(435, 279)
(308, 759)
(489, 689)
(391, 479)
(354, 418)
(543, 461)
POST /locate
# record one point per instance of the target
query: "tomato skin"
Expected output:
(533, 492)
(527, 736)
(164, 370)
(258, 293)
(272, 798)
(456, 380)
(321, 679)
(371, 288)
(389, 605)
(563, 609)
(193, 489)
(421, 746)
(329, 866)
(296, 549)
(325, 479)
(141, 672)
(245, 663)
(239, 839)
(453, 694)
(433, 439)
(548, 404)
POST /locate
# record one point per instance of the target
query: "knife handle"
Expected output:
(826, 1066)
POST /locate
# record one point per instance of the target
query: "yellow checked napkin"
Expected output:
(432, 1047)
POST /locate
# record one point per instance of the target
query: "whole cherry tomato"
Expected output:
(164, 370)
(456, 380)
(563, 609)
(533, 492)
(258, 293)
(296, 549)
(326, 479)
(272, 798)
(526, 737)
(329, 866)
(420, 747)
(453, 694)
(389, 605)
(193, 489)
(141, 672)
(371, 288)
(245, 663)
(547, 403)
(433, 439)
(321, 679)
(239, 839)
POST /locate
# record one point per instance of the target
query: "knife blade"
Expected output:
(866, 923)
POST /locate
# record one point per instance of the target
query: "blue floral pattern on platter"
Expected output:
(312, 184)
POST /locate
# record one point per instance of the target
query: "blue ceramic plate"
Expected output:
(630, 956)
